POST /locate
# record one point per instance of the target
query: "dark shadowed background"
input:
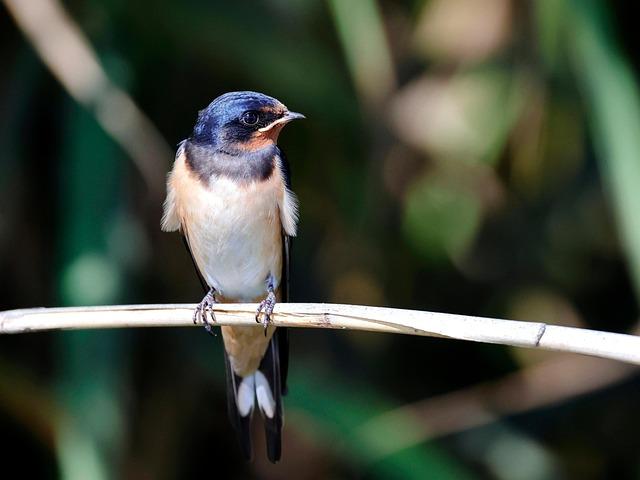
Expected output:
(464, 156)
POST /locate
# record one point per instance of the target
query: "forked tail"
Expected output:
(265, 387)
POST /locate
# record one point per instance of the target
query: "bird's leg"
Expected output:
(266, 306)
(204, 308)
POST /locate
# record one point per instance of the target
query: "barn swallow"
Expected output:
(229, 195)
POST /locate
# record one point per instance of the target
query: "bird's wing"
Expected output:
(240, 423)
(185, 240)
(275, 364)
(171, 220)
(283, 333)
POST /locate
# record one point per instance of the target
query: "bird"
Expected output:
(229, 195)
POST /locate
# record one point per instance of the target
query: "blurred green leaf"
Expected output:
(339, 409)
(91, 364)
(440, 219)
(362, 35)
(613, 100)
(549, 16)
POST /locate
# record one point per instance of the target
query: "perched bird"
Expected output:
(229, 195)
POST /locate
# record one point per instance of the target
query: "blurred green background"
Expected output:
(465, 156)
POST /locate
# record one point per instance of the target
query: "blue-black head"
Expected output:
(241, 122)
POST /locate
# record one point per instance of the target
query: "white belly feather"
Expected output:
(234, 231)
(237, 235)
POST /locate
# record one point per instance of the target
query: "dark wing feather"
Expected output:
(185, 233)
(203, 282)
(242, 425)
(270, 367)
(283, 333)
(275, 364)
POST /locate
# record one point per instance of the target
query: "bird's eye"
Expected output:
(250, 118)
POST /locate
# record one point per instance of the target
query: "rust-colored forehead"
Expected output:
(276, 109)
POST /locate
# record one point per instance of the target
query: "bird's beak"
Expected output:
(283, 120)
(293, 116)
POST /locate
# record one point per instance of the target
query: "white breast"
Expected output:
(238, 236)
(234, 231)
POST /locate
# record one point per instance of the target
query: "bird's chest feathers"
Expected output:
(240, 216)
(235, 233)
(227, 198)
(234, 225)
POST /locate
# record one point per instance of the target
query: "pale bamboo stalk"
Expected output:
(615, 346)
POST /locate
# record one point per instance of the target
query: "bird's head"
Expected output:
(239, 122)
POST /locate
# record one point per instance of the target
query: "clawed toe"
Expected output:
(204, 312)
(266, 310)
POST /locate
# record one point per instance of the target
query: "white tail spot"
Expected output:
(246, 395)
(266, 403)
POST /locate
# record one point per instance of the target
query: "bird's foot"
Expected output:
(204, 312)
(266, 310)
